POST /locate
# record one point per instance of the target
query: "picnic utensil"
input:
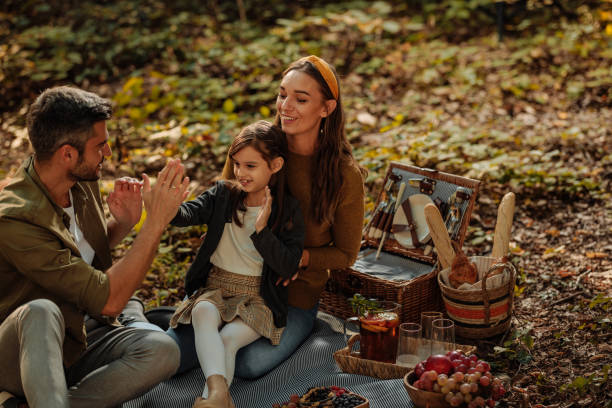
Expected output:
(375, 230)
(453, 218)
(375, 218)
(503, 226)
(379, 227)
(440, 236)
(389, 221)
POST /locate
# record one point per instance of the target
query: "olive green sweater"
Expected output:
(331, 245)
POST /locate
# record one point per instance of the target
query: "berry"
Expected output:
(442, 379)
(419, 369)
(464, 388)
(485, 381)
(432, 375)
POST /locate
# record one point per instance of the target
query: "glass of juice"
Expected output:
(379, 332)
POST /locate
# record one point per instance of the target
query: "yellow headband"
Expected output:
(325, 71)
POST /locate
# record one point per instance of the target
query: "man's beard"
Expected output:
(83, 173)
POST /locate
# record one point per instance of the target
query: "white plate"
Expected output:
(417, 206)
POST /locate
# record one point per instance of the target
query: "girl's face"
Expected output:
(300, 104)
(253, 172)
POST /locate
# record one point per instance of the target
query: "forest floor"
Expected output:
(559, 348)
(530, 114)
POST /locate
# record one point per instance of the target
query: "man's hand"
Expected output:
(264, 212)
(163, 199)
(125, 201)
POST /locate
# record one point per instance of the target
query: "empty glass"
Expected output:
(442, 336)
(427, 319)
(410, 346)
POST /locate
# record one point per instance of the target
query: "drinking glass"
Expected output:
(427, 319)
(442, 336)
(378, 332)
(409, 350)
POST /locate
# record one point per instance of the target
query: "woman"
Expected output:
(327, 181)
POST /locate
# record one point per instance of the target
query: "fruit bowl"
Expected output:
(421, 398)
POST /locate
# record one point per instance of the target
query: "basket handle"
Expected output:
(351, 342)
(485, 294)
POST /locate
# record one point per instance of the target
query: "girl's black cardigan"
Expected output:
(281, 251)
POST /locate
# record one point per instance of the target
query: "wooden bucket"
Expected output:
(480, 313)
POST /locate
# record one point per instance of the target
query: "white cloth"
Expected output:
(236, 252)
(87, 252)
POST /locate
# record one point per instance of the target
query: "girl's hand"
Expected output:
(163, 199)
(264, 212)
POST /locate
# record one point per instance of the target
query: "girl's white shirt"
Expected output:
(87, 252)
(236, 252)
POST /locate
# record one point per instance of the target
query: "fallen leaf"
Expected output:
(596, 255)
(565, 273)
(553, 232)
(366, 118)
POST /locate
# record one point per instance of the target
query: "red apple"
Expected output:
(439, 363)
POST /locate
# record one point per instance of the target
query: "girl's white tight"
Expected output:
(217, 349)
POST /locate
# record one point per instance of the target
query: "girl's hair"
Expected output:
(334, 148)
(271, 143)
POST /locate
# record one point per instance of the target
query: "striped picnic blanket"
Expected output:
(311, 365)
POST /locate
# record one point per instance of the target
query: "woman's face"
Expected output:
(300, 104)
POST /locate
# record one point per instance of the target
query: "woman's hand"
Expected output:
(264, 212)
(286, 282)
(304, 262)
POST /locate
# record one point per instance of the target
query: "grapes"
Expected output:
(485, 381)
(442, 379)
(468, 384)
(458, 376)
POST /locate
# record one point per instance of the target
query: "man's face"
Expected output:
(89, 165)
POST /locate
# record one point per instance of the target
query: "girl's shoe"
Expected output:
(218, 394)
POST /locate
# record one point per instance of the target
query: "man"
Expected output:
(55, 263)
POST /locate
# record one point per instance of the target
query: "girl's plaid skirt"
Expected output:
(234, 295)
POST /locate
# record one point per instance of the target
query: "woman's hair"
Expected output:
(333, 148)
(271, 143)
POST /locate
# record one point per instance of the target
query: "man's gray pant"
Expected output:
(119, 366)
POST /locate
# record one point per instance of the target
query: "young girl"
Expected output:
(255, 237)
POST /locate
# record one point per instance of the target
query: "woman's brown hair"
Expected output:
(270, 141)
(333, 149)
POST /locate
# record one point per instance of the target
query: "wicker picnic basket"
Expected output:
(484, 312)
(351, 364)
(416, 294)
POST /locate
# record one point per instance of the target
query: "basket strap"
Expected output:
(411, 225)
(485, 293)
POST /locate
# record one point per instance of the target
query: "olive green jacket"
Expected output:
(39, 258)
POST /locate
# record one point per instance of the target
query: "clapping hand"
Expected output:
(125, 201)
(264, 212)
